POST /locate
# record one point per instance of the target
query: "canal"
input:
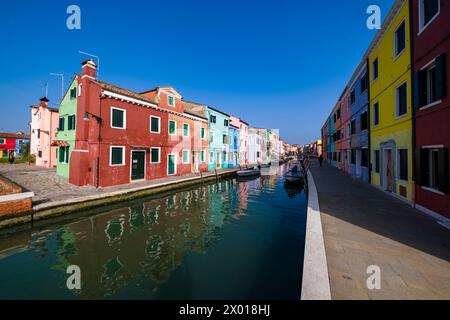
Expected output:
(228, 240)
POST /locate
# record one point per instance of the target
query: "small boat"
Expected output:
(265, 165)
(294, 175)
(248, 172)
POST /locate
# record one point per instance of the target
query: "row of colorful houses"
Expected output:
(13, 143)
(104, 135)
(390, 126)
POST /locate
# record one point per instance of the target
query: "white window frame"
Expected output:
(79, 89)
(168, 101)
(423, 26)
(159, 155)
(159, 124)
(397, 116)
(398, 164)
(188, 157)
(211, 158)
(168, 127)
(124, 118)
(123, 156)
(175, 164)
(395, 39)
(189, 129)
(131, 165)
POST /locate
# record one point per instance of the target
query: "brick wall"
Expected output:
(12, 207)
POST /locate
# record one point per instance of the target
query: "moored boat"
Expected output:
(248, 172)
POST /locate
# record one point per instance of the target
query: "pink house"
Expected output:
(243, 138)
(44, 123)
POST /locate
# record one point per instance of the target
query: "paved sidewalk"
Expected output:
(363, 226)
(50, 187)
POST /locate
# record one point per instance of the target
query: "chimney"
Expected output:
(89, 69)
(44, 102)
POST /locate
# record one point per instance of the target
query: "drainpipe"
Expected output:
(413, 109)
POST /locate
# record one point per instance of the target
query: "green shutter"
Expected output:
(185, 156)
(116, 156)
(117, 120)
(203, 133)
(61, 154)
(61, 124)
(185, 130)
(171, 127)
(154, 124)
(441, 79)
(155, 155)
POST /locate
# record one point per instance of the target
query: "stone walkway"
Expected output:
(50, 187)
(363, 226)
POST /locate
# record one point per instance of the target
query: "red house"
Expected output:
(431, 24)
(123, 136)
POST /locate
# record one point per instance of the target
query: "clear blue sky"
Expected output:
(277, 64)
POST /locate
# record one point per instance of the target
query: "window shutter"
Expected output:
(441, 77)
(416, 90)
(443, 170)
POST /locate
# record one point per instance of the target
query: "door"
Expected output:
(389, 171)
(171, 164)
(137, 165)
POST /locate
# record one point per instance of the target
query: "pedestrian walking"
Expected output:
(11, 157)
(320, 159)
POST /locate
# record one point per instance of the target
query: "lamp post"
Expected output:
(99, 122)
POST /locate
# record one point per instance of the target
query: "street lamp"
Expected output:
(87, 114)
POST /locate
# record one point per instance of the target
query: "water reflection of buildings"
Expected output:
(148, 240)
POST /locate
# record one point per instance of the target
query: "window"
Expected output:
(73, 93)
(186, 130)
(403, 164)
(433, 169)
(155, 124)
(225, 139)
(365, 157)
(400, 39)
(353, 156)
(2, 141)
(401, 100)
(364, 83)
(428, 10)
(211, 157)
(430, 83)
(38, 133)
(203, 133)
(225, 122)
(202, 156)
(61, 124)
(338, 113)
(79, 90)
(352, 96)
(171, 101)
(172, 127)
(376, 114)
(185, 156)
(64, 154)
(71, 122)
(375, 69)
(118, 118)
(377, 161)
(155, 155)
(363, 121)
(39, 154)
(117, 156)
(212, 119)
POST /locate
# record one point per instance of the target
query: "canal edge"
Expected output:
(315, 283)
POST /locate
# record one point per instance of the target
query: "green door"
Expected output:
(171, 164)
(137, 165)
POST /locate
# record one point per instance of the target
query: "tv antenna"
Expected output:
(62, 82)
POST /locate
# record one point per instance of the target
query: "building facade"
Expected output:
(122, 136)
(432, 105)
(389, 59)
(219, 123)
(44, 125)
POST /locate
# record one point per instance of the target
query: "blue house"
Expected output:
(359, 124)
(233, 160)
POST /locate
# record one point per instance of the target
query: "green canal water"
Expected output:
(231, 240)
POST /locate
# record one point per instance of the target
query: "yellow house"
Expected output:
(391, 105)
